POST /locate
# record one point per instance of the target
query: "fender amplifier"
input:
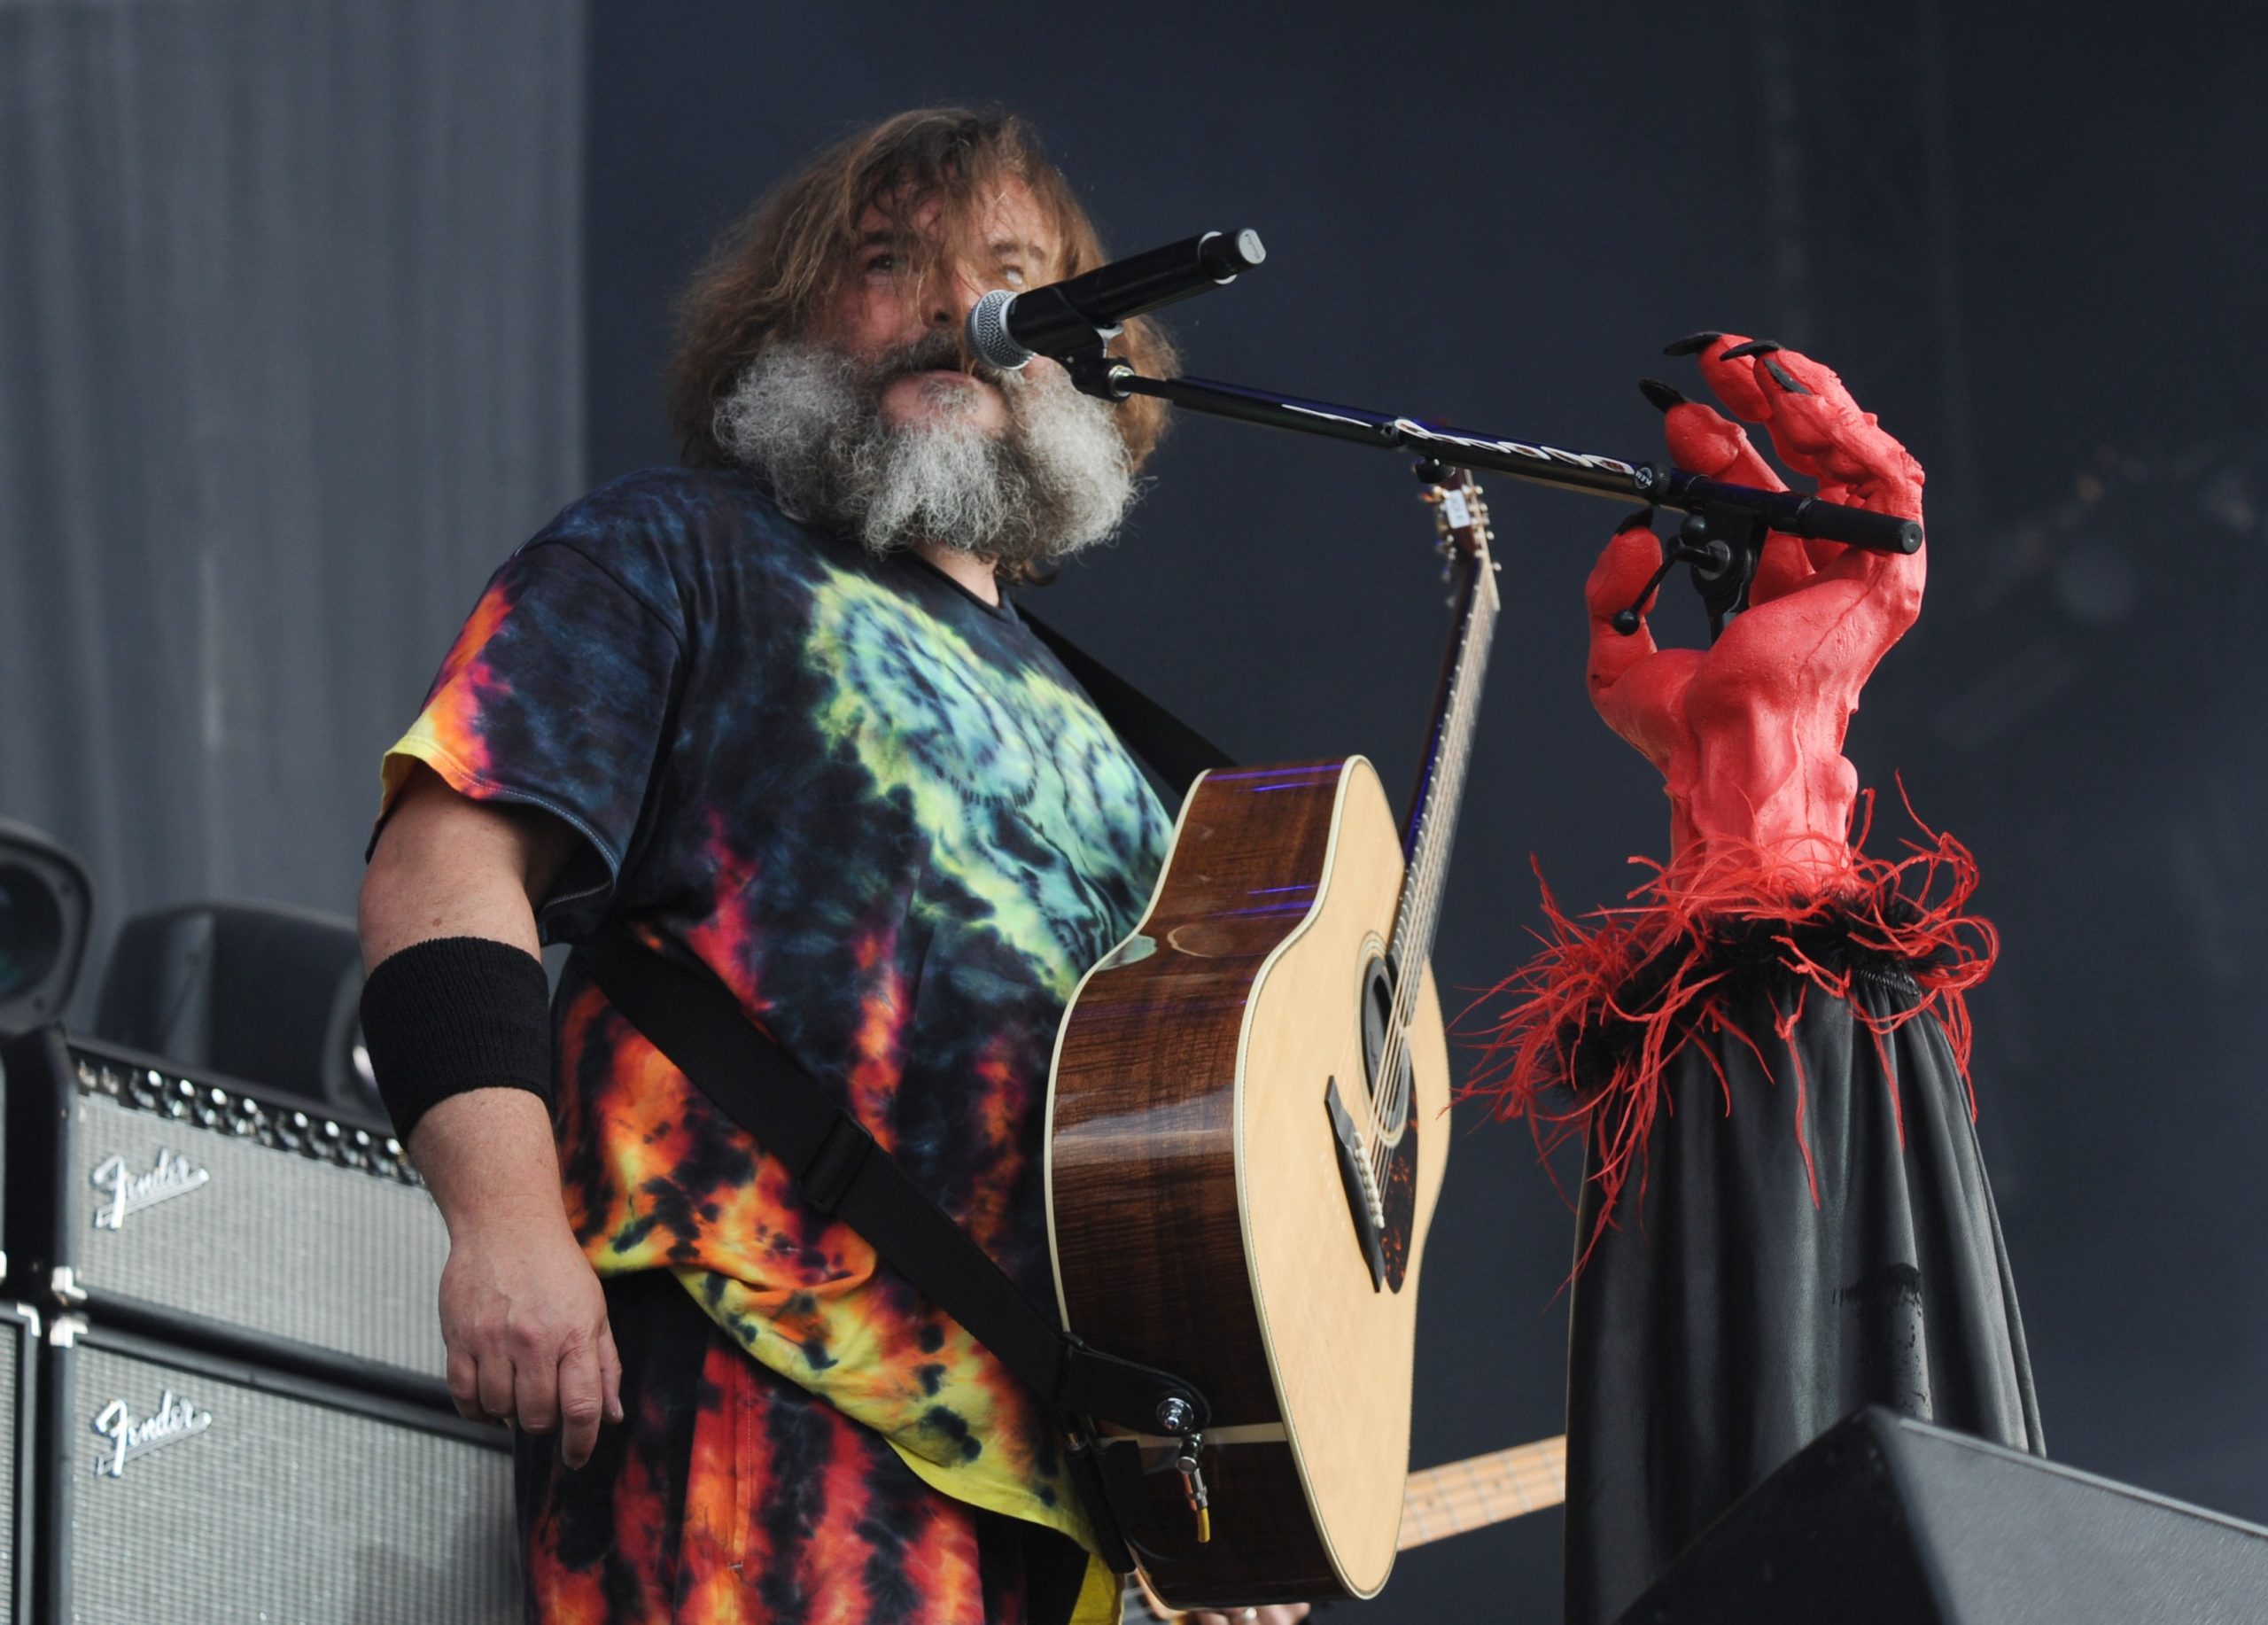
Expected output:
(18, 1435)
(193, 1210)
(175, 1486)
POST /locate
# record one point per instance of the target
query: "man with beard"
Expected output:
(773, 714)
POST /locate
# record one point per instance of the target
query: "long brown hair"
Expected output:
(781, 262)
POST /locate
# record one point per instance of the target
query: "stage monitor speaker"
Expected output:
(176, 1487)
(44, 908)
(194, 1211)
(1884, 1521)
(259, 991)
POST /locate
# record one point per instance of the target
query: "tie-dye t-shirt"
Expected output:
(880, 811)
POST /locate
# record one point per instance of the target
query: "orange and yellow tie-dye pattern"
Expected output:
(446, 736)
(882, 813)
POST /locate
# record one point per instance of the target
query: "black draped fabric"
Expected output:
(1790, 1260)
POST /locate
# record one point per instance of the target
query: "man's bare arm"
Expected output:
(521, 1311)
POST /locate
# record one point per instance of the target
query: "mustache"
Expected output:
(939, 350)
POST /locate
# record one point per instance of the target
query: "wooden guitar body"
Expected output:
(1204, 1216)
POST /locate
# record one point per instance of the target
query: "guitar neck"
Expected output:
(1469, 1495)
(1439, 1502)
(1439, 789)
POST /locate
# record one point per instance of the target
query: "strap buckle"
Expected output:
(835, 1166)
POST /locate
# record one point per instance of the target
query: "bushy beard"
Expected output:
(1054, 479)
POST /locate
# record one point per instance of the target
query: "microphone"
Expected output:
(1077, 317)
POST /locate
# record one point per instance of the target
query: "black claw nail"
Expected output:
(1660, 394)
(1643, 519)
(1754, 346)
(1691, 343)
(1783, 377)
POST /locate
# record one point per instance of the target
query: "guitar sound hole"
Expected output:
(1390, 1096)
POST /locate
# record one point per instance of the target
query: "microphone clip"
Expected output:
(1722, 544)
(1098, 373)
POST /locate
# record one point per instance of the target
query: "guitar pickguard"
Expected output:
(1400, 1194)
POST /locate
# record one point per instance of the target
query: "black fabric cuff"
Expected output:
(454, 1014)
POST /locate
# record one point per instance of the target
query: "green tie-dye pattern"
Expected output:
(966, 745)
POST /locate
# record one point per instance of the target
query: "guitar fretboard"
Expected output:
(1465, 1495)
(1439, 1502)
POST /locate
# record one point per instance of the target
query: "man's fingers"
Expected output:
(582, 1402)
(464, 1386)
(494, 1388)
(610, 1372)
(535, 1393)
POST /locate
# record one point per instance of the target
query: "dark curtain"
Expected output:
(289, 356)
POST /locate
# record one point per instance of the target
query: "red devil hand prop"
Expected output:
(1748, 733)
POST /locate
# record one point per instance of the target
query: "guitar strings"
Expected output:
(1532, 1475)
(1466, 678)
(1416, 927)
(1471, 1512)
(1545, 1474)
(1536, 1479)
(1419, 921)
(1477, 610)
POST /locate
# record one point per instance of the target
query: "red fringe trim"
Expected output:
(1584, 980)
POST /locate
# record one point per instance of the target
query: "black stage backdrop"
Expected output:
(288, 296)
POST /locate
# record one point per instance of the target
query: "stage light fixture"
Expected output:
(44, 905)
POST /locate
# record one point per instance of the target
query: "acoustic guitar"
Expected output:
(1245, 1140)
(1459, 1496)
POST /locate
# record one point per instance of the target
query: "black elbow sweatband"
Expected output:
(454, 1014)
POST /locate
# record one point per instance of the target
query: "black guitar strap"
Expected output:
(1175, 750)
(694, 1021)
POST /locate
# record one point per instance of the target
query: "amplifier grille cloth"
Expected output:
(11, 1359)
(273, 1242)
(283, 1510)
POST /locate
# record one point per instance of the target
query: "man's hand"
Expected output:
(521, 1314)
(1275, 1614)
(526, 1325)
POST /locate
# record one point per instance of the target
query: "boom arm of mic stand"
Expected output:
(1736, 507)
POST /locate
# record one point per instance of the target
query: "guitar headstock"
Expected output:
(1460, 516)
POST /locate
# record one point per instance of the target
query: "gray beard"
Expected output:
(808, 419)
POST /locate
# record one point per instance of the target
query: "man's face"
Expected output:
(883, 304)
(874, 423)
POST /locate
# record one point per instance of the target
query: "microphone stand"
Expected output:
(1722, 538)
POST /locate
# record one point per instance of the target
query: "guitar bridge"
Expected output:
(1365, 1204)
